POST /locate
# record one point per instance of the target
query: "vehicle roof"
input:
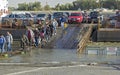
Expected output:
(94, 12)
(76, 12)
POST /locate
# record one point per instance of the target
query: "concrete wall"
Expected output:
(17, 33)
(108, 35)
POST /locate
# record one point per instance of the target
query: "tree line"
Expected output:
(89, 4)
(75, 5)
(32, 6)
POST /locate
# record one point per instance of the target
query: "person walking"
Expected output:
(86, 16)
(42, 36)
(9, 41)
(37, 35)
(63, 21)
(2, 43)
(47, 34)
(55, 24)
(51, 29)
(24, 41)
(30, 35)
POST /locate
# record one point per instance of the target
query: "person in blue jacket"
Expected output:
(2, 43)
(63, 21)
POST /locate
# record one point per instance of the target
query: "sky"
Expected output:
(52, 3)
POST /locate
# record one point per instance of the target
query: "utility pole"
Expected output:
(98, 2)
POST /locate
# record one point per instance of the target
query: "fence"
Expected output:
(102, 50)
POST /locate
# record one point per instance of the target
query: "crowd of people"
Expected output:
(37, 37)
(40, 35)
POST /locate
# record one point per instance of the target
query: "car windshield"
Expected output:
(57, 14)
(94, 14)
(28, 15)
(75, 14)
(22, 15)
(113, 17)
(41, 15)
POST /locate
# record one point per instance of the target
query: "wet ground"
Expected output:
(62, 49)
(59, 56)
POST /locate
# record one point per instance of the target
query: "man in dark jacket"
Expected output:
(24, 41)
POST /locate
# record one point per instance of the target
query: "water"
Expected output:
(64, 52)
(60, 56)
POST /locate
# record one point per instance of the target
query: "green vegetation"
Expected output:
(89, 4)
(75, 5)
(30, 6)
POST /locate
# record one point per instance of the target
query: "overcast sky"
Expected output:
(13, 3)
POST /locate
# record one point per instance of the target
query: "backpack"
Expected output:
(1, 40)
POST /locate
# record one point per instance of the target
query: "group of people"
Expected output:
(39, 35)
(5, 42)
(32, 37)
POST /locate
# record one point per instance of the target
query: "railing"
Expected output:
(84, 39)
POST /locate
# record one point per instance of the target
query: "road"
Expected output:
(62, 70)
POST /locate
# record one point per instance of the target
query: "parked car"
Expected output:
(113, 20)
(75, 17)
(28, 15)
(12, 19)
(94, 16)
(59, 15)
(41, 17)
